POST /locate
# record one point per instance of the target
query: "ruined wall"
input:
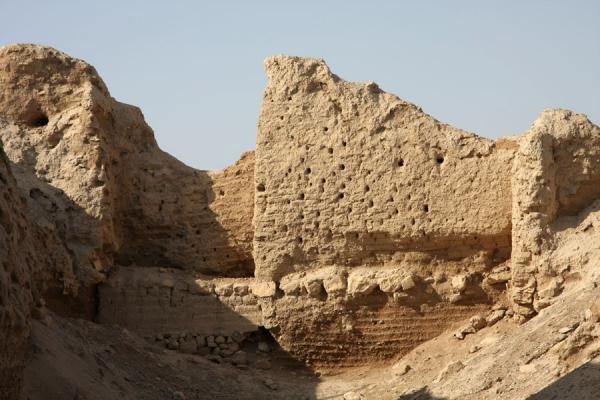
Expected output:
(31, 256)
(555, 175)
(16, 298)
(172, 215)
(380, 225)
(93, 189)
(47, 99)
(373, 226)
(111, 194)
(159, 301)
(347, 174)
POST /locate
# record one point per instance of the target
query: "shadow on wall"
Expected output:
(175, 311)
(70, 238)
(171, 215)
(582, 383)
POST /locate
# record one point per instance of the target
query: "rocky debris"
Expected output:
(315, 289)
(568, 329)
(400, 368)
(220, 340)
(353, 396)
(234, 349)
(592, 314)
(478, 322)
(498, 275)
(270, 384)
(264, 347)
(450, 369)
(188, 345)
(459, 283)
(240, 358)
(263, 364)
(408, 283)
(474, 349)
(494, 317)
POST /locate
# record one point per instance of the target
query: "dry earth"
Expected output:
(364, 250)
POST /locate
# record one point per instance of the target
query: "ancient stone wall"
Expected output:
(111, 194)
(370, 226)
(347, 174)
(555, 175)
(380, 225)
(31, 256)
(16, 298)
(172, 215)
(47, 98)
(159, 301)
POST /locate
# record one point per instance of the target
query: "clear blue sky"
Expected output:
(195, 68)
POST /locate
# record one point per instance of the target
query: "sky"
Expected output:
(195, 68)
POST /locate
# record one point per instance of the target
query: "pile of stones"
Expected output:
(238, 349)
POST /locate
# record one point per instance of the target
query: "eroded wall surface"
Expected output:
(370, 226)
(161, 301)
(92, 166)
(31, 255)
(347, 174)
(555, 176)
(98, 193)
(379, 224)
(16, 298)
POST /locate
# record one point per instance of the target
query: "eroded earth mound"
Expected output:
(364, 250)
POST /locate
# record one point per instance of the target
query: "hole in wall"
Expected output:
(260, 187)
(439, 159)
(33, 116)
